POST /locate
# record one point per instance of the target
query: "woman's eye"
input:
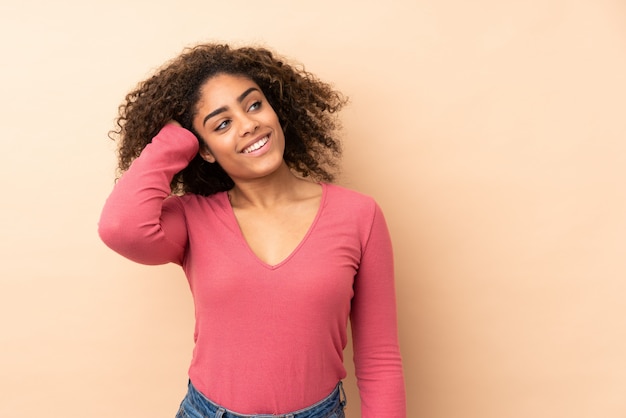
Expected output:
(254, 106)
(223, 125)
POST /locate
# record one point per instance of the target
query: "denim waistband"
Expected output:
(336, 398)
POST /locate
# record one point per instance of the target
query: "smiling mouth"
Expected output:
(259, 144)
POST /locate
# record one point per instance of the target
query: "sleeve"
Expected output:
(140, 220)
(377, 358)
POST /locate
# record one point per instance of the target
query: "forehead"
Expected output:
(223, 88)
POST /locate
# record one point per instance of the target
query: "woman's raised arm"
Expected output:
(140, 220)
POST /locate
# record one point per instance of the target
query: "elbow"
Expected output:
(135, 244)
(112, 234)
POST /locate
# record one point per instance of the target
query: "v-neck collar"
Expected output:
(233, 219)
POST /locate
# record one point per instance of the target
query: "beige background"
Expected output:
(491, 132)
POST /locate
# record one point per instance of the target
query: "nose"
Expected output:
(248, 124)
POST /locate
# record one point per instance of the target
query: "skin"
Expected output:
(274, 207)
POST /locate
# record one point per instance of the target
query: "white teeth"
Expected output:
(256, 145)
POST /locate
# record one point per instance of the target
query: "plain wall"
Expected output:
(492, 133)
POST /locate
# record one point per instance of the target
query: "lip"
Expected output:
(254, 141)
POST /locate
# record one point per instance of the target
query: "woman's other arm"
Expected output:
(378, 363)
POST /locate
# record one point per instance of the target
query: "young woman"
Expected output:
(215, 154)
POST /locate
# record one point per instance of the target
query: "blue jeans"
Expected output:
(196, 405)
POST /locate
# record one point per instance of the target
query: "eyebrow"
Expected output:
(219, 110)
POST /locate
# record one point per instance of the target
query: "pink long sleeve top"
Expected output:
(269, 339)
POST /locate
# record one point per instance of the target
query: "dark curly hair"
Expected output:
(306, 108)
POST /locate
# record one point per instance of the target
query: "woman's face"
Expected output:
(239, 127)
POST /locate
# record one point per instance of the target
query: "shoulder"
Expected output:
(354, 213)
(351, 198)
(350, 205)
(190, 202)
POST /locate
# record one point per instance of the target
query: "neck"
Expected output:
(266, 192)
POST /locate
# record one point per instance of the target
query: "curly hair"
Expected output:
(306, 108)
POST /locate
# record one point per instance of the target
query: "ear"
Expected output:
(206, 154)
